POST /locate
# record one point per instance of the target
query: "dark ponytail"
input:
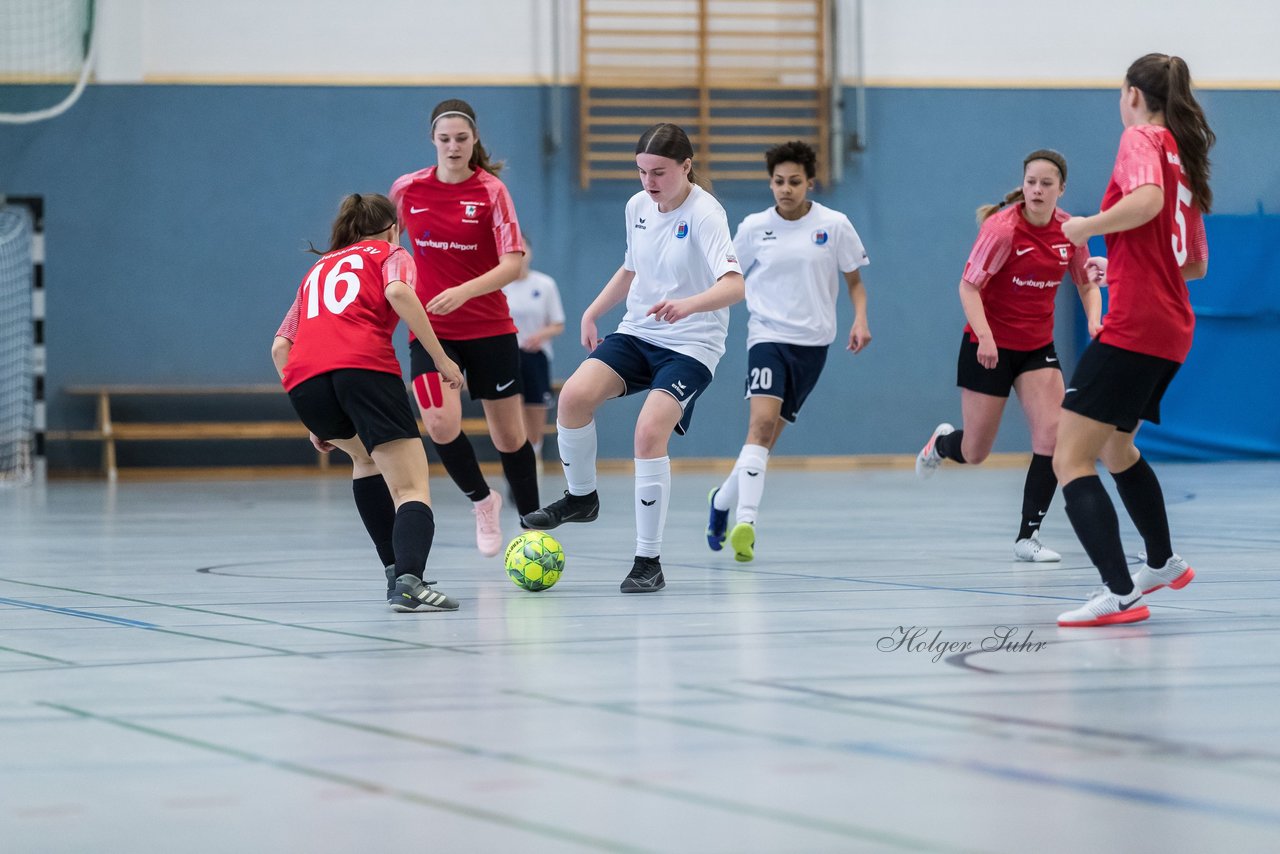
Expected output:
(1165, 82)
(479, 156)
(667, 140)
(1016, 196)
(359, 218)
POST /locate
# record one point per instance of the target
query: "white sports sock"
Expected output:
(751, 466)
(578, 455)
(537, 447)
(653, 486)
(727, 495)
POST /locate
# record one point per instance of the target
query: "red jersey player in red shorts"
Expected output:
(335, 357)
(1008, 290)
(466, 242)
(1152, 218)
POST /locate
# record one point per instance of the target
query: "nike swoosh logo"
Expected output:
(648, 503)
(1068, 391)
(414, 210)
(1022, 252)
(1047, 359)
(1124, 607)
(505, 385)
(1041, 512)
(753, 474)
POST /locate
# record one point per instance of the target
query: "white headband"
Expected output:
(446, 115)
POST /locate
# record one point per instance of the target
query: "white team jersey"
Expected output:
(534, 302)
(676, 255)
(793, 272)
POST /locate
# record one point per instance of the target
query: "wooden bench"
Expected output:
(108, 430)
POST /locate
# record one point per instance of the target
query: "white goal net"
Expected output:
(46, 56)
(17, 346)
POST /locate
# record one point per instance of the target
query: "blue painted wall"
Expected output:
(176, 216)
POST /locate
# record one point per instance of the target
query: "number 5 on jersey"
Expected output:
(1179, 239)
(338, 275)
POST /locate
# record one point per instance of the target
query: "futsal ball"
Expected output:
(535, 560)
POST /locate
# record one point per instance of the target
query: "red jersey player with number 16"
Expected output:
(1151, 216)
(334, 355)
(466, 243)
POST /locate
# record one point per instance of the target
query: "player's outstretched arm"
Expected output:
(727, 290)
(406, 304)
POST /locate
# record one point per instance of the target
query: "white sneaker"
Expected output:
(1033, 551)
(1175, 574)
(488, 524)
(1105, 608)
(927, 461)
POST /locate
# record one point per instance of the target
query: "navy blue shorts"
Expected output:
(785, 371)
(1118, 386)
(535, 376)
(643, 367)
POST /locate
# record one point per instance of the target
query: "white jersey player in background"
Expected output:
(534, 301)
(679, 276)
(793, 255)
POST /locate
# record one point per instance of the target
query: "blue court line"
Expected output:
(72, 612)
(1100, 788)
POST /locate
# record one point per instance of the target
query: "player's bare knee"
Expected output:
(651, 441)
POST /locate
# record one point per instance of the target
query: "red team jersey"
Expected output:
(341, 317)
(1149, 308)
(1018, 266)
(458, 233)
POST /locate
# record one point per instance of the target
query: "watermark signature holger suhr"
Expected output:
(920, 639)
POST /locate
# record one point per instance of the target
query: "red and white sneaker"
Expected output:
(927, 461)
(488, 524)
(1175, 574)
(1105, 608)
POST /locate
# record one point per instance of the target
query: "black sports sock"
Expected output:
(459, 460)
(521, 468)
(948, 446)
(1037, 493)
(415, 529)
(1144, 500)
(378, 512)
(1093, 517)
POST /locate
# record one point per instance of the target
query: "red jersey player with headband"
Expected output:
(335, 357)
(1008, 291)
(466, 243)
(1152, 218)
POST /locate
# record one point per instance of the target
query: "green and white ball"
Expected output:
(535, 560)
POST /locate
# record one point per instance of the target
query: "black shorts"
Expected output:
(491, 365)
(535, 375)
(1118, 386)
(355, 402)
(785, 371)
(1010, 364)
(643, 367)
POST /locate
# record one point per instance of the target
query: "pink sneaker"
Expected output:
(488, 525)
